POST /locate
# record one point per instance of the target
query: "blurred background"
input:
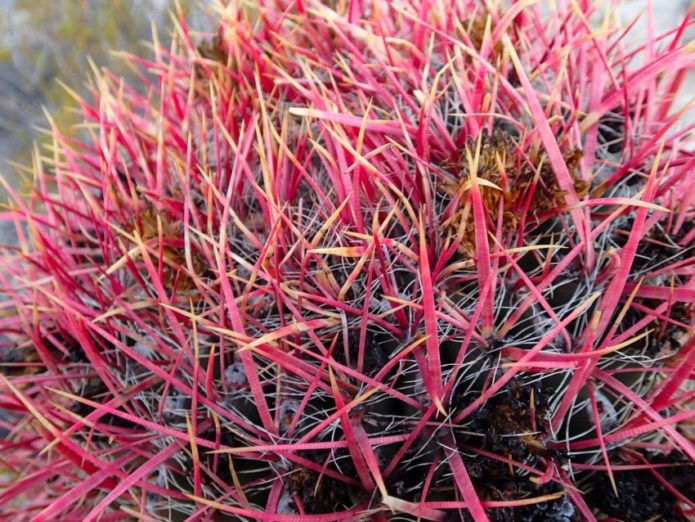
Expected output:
(42, 41)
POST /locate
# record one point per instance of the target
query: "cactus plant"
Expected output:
(358, 260)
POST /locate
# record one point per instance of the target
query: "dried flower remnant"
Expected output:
(163, 239)
(475, 30)
(18, 360)
(523, 188)
(215, 65)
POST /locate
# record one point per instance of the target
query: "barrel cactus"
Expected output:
(361, 260)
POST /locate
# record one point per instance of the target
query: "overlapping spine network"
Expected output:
(361, 260)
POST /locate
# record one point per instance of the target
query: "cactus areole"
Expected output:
(361, 260)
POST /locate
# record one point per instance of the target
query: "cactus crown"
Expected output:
(360, 260)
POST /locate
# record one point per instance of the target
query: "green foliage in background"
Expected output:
(42, 42)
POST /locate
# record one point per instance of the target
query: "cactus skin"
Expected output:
(360, 260)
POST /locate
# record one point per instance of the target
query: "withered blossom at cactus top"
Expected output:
(361, 260)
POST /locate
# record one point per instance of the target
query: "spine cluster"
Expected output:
(361, 261)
